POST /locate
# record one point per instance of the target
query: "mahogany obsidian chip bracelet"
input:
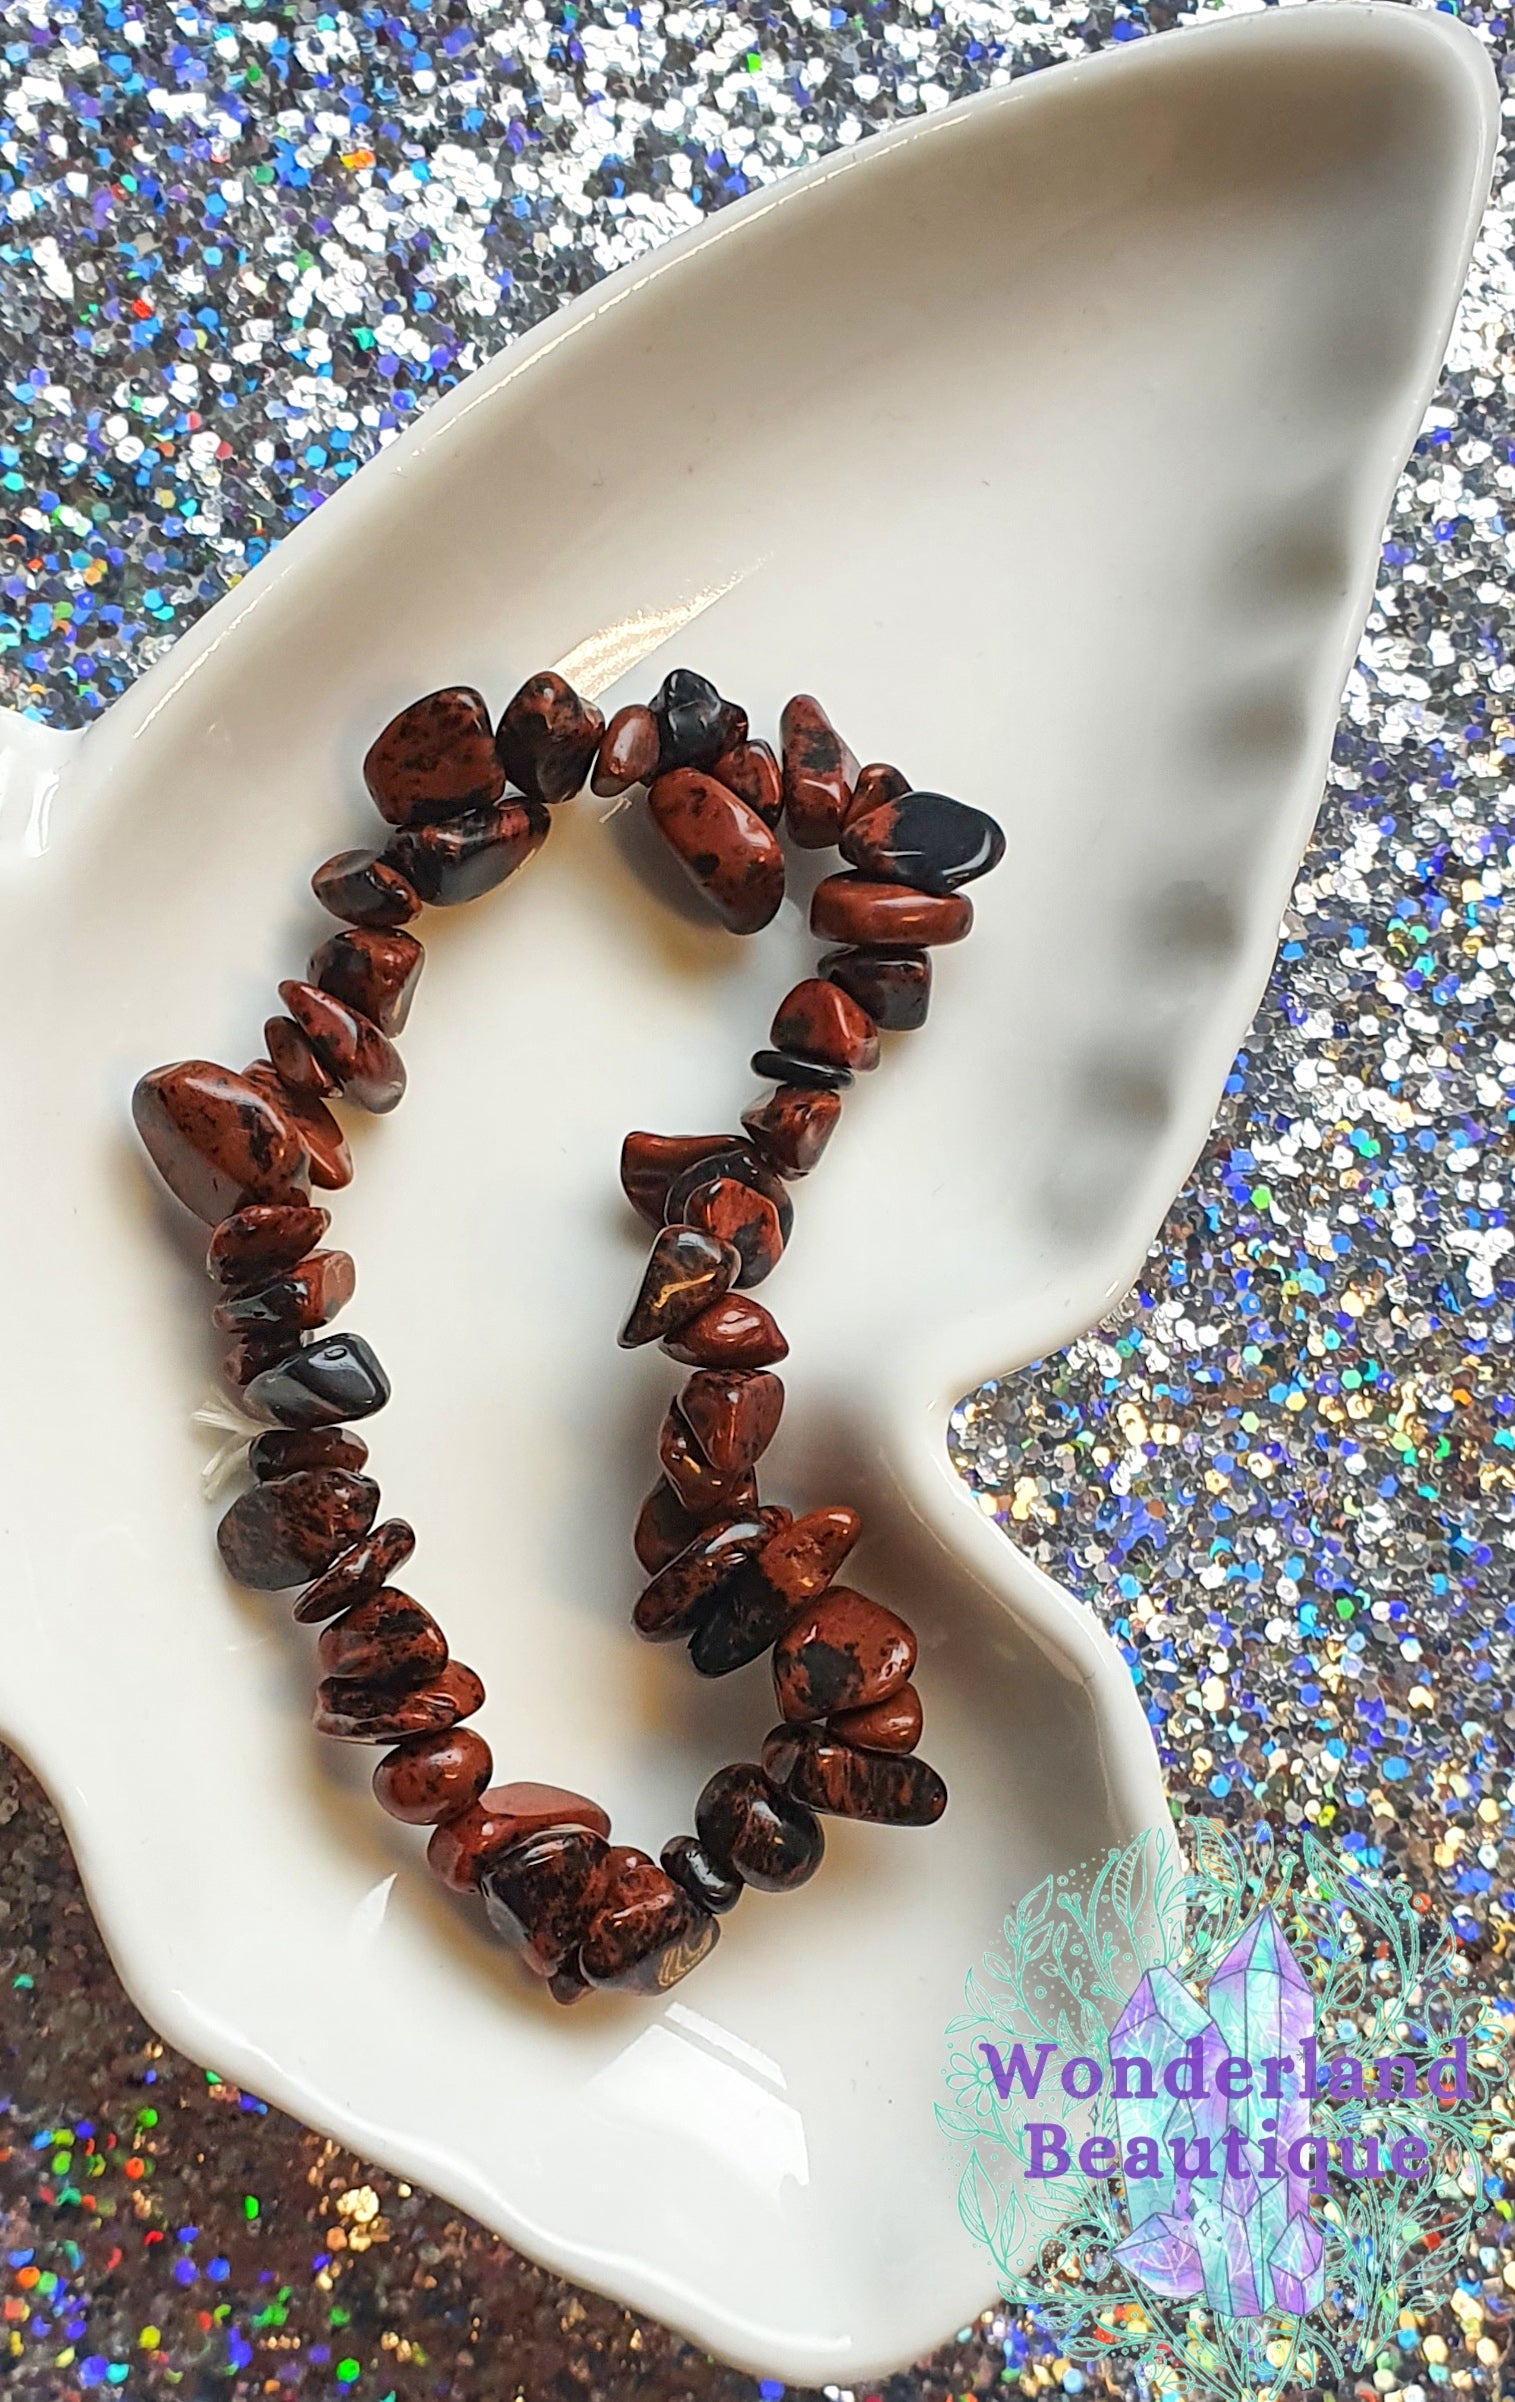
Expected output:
(729, 1575)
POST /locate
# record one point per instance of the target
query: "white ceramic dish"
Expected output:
(1049, 440)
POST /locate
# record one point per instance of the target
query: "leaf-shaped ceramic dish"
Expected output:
(1049, 440)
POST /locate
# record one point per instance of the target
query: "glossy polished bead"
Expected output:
(808, 1074)
(217, 1141)
(663, 1529)
(628, 752)
(373, 969)
(694, 724)
(750, 770)
(354, 1713)
(704, 1491)
(436, 757)
(293, 1061)
(248, 1355)
(366, 889)
(647, 1932)
(792, 1127)
(469, 855)
(679, 1595)
(745, 1219)
(732, 1413)
(894, 1789)
(818, 1021)
(858, 909)
(819, 772)
(326, 1151)
(892, 1725)
(459, 1851)
(731, 1333)
(431, 1778)
(540, 1894)
(876, 783)
(748, 1617)
(685, 1271)
(843, 1652)
(307, 1296)
(803, 1557)
(326, 1384)
(651, 1162)
(263, 1240)
(747, 1825)
(365, 1062)
(685, 1859)
(282, 1450)
(925, 840)
(893, 986)
(360, 1571)
(387, 1640)
(722, 845)
(547, 738)
(279, 1534)
(738, 1163)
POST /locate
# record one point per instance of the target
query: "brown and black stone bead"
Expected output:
(286, 1531)
(692, 1582)
(705, 1492)
(430, 1778)
(722, 845)
(792, 1127)
(695, 726)
(685, 1859)
(359, 1713)
(746, 1619)
(819, 773)
(469, 855)
(435, 758)
(686, 1270)
(217, 1141)
(923, 839)
(746, 1219)
(366, 889)
(293, 1061)
(462, 1847)
(749, 1827)
(282, 1450)
(862, 909)
(900, 1790)
(541, 1892)
(736, 1162)
(263, 1241)
(306, 1296)
(365, 1063)
(732, 1333)
(325, 1383)
(892, 1725)
(387, 1640)
(647, 1932)
(363, 1568)
(651, 1163)
(819, 1021)
(373, 969)
(326, 1150)
(732, 1413)
(893, 986)
(548, 737)
(628, 754)
(802, 1558)
(876, 783)
(842, 1652)
(750, 770)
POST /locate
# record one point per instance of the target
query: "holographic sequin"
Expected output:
(242, 246)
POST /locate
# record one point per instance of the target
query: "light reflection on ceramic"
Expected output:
(1050, 440)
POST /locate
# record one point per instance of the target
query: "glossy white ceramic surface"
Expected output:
(1049, 439)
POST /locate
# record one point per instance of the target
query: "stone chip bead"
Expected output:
(732, 1413)
(374, 969)
(892, 1789)
(217, 1141)
(820, 1022)
(247, 1356)
(461, 1849)
(262, 1241)
(748, 1826)
(664, 1528)
(360, 1571)
(686, 1270)
(722, 845)
(540, 1894)
(307, 1296)
(628, 754)
(435, 758)
(647, 1932)
(809, 1074)
(893, 986)
(924, 839)
(843, 1652)
(745, 1219)
(876, 783)
(792, 1127)
(365, 1062)
(326, 1151)
(326, 1384)
(430, 1778)
(387, 1640)
(294, 1062)
(547, 738)
(281, 1450)
(366, 889)
(747, 1617)
(750, 770)
(651, 1162)
(819, 773)
(281, 1533)
(358, 1713)
(467, 856)
(732, 1333)
(861, 909)
(892, 1725)
(684, 1859)
(737, 1162)
(695, 726)
(672, 1605)
(703, 1490)
(802, 1558)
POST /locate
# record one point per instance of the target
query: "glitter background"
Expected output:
(241, 246)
